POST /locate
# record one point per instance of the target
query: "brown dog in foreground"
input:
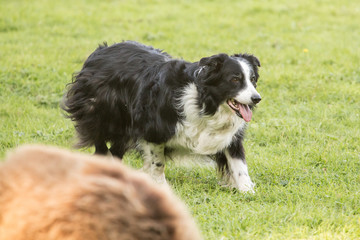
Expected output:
(50, 194)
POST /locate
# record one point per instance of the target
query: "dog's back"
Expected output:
(105, 94)
(46, 193)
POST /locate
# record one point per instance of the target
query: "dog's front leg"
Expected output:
(238, 175)
(154, 161)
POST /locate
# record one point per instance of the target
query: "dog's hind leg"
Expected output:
(118, 148)
(154, 160)
(101, 148)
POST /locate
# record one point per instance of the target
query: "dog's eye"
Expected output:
(253, 80)
(235, 79)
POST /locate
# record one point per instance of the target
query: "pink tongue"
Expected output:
(245, 112)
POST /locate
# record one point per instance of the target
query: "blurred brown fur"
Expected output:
(47, 193)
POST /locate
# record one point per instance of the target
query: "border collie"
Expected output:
(129, 95)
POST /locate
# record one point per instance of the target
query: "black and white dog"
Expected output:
(129, 94)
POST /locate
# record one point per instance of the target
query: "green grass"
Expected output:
(302, 144)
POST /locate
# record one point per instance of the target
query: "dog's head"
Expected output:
(230, 80)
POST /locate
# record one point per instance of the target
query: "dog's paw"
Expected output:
(160, 179)
(243, 183)
(248, 188)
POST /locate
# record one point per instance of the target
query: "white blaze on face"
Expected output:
(244, 96)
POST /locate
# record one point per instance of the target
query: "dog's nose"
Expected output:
(256, 99)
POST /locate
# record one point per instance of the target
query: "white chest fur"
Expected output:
(202, 134)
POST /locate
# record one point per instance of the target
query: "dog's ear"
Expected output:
(254, 60)
(214, 62)
(251, 58)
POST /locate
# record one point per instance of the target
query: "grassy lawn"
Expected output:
(302, 144)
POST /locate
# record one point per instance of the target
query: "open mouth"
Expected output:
(242, 110)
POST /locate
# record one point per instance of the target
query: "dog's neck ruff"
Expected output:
(204, 134)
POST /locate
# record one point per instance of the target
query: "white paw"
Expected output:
(160, 179)
(243, 183)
